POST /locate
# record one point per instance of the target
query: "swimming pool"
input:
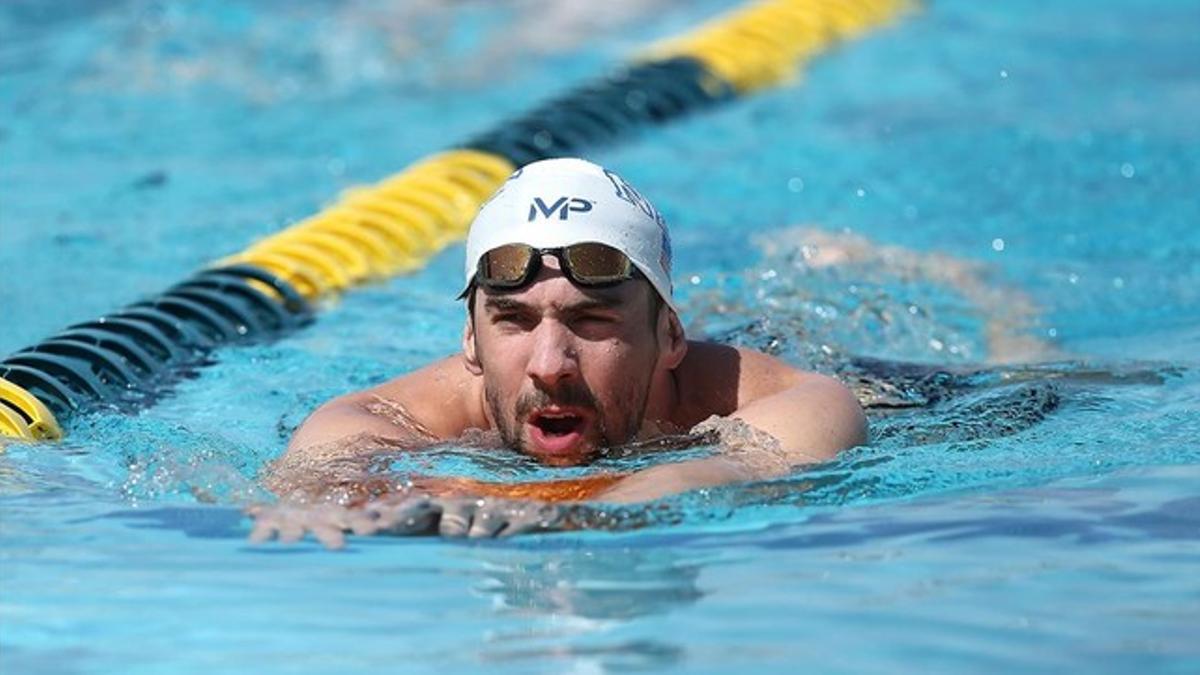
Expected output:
(1004, 517)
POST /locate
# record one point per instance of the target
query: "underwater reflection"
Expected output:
(600, 584)
(14, 480)
(579, 600)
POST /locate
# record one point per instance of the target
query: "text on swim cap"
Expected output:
(563, 207)
(626, 192)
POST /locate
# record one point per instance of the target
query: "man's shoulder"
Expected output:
(717, 379)
(413, 410)
(740, 363)
(442, 396)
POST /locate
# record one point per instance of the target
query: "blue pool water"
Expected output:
(1005, 516)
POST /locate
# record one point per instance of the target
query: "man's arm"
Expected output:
(344, 418)
(412, 411)
(810, 419)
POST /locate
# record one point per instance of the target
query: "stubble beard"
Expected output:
(509, 424)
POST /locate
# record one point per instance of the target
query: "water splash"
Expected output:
(816, 296)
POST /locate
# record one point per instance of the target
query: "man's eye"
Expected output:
(598, 318)
(594, 322)
(513, 319)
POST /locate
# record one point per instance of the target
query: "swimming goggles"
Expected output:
(589, 264)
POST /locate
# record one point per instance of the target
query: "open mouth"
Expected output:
(554, 425)
(556, 431)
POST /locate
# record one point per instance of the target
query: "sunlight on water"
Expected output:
(982, 220)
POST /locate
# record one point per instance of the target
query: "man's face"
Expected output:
(567, 370)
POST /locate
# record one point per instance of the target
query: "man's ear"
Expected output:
(672, 342)
(470, 355)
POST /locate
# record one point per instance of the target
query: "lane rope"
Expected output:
(128, 359)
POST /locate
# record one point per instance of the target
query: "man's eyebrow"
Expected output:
(595, 302)
(504, 304)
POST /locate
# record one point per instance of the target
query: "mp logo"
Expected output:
(563, 207)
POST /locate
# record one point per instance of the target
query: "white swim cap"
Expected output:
(558, 202)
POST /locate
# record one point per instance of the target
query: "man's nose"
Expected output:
(554, 357)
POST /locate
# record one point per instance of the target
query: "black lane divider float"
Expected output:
(604, 111)
(127, 359)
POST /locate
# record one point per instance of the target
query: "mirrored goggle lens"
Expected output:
(506, 265)
(592, 263)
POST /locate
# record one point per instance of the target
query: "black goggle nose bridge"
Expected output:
(588, 264)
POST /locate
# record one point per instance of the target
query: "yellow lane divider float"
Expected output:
(22, 415)
(378, 231)
(765, 43)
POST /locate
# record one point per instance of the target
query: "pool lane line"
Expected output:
(126, 360)
(382, 230)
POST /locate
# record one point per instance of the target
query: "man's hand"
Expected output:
(405, 515)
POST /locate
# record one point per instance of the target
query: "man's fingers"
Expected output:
(329, 522)
(264, 529)
(519, 525)
(488, 521)
(361, 524)
(330, 536)
(408, 515)
(290, 531)
(456, 518)
(425, 522)
(542, 518)
(290, 523)
(266, 522)
(414, 515)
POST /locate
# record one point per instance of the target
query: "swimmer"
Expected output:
(572, 345)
